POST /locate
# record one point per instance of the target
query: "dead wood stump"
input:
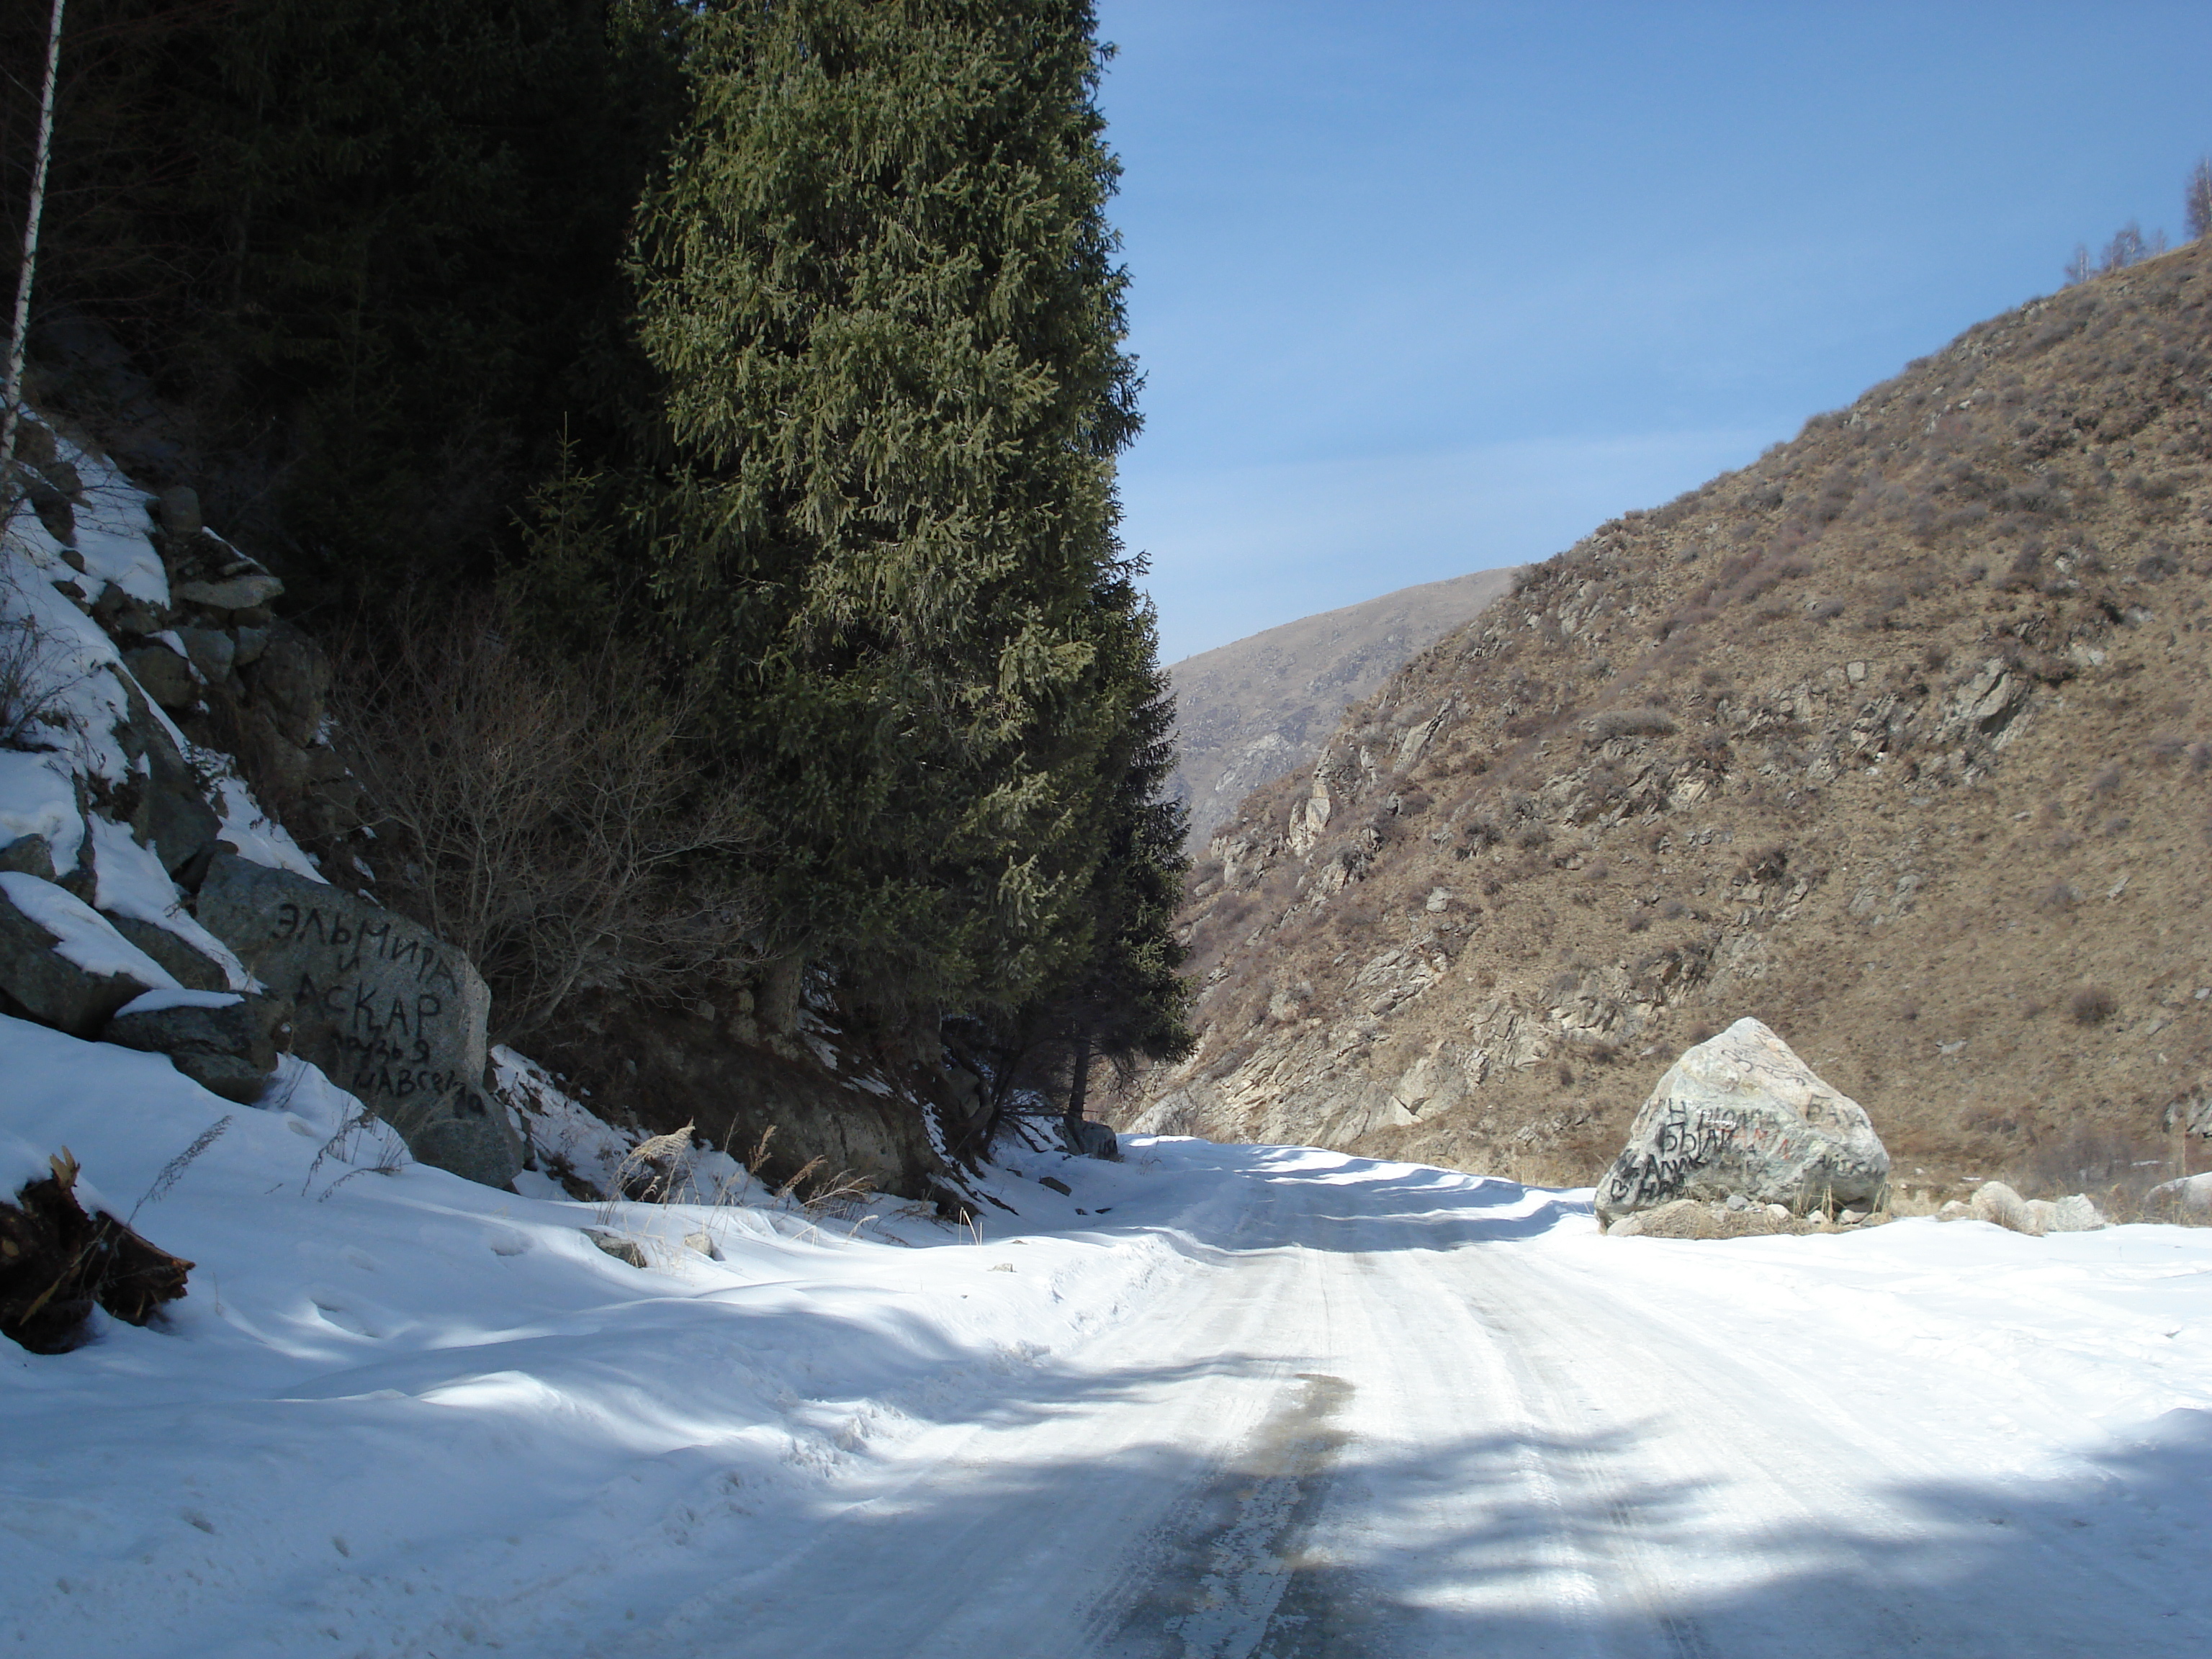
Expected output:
(57, 1262)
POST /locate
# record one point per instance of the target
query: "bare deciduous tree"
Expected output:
(2130, 246)
(557, 823)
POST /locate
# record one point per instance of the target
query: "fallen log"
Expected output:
(57, 1263)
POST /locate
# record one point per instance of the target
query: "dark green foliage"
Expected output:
(877, 281)
(782, 339)
(1129, 1000)
(370, 249)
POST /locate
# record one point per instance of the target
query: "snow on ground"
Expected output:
(392, 1392)
(1220, 1401)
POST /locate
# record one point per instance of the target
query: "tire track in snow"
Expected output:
(1219, 1573)
(1374, 1426)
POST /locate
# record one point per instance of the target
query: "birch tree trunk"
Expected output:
(11, 397)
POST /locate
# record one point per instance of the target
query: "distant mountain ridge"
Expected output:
(1247, 712)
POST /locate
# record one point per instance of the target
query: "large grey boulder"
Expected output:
(248, 591)
(32, 855)
(388, 1009)
(61, 960)
(210, 650)
(177, 510)
(176, 819)
(291, 679)
(1741, 1113)
(225, 1041)
(2189, 1192)
(165, 675)
(1686, 1217)
(182, 826)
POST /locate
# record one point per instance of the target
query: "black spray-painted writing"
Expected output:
(359, 939)
(383, 1036)
(1683, 1143)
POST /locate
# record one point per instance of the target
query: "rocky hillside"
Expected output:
(1898, 740)
(188, 867)
(1254, 709)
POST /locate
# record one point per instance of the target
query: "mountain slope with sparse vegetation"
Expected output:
(1257, 708)
(1898, 739)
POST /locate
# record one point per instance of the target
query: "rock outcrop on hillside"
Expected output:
(164, 736)
(1250, 711)
(151, 899)
(1897, 740)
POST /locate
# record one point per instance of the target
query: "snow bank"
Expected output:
(2114, 1326)
(386, 1379)
(37, 797)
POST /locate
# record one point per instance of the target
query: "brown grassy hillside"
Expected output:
(1263, 706)
(1899, 739)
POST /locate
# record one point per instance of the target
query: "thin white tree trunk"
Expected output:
(11, 395)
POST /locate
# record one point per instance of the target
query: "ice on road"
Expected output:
(1257, 1401)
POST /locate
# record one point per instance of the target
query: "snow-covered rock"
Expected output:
(225, 1041)
(60, 959)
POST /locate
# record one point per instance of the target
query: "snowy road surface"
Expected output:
(1268, 1402)
(1386, 1420)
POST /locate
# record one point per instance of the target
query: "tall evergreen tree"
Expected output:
(1127, 1000)
(877, 279)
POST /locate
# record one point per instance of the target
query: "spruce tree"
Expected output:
(1127, 999)
(878, 282)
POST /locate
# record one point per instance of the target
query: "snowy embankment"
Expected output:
(388, 1382)
(65, 697)
(1255, 1400)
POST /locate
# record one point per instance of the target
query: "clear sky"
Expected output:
(1427, 288)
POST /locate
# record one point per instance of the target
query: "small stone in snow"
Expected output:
(623, 1249)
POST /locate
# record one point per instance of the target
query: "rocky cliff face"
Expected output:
(1897, 740)
(1249, 712)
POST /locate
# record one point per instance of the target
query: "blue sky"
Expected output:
(1427, 288)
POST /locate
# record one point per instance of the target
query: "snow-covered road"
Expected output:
(1217, 1401)
(1393, 1415)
